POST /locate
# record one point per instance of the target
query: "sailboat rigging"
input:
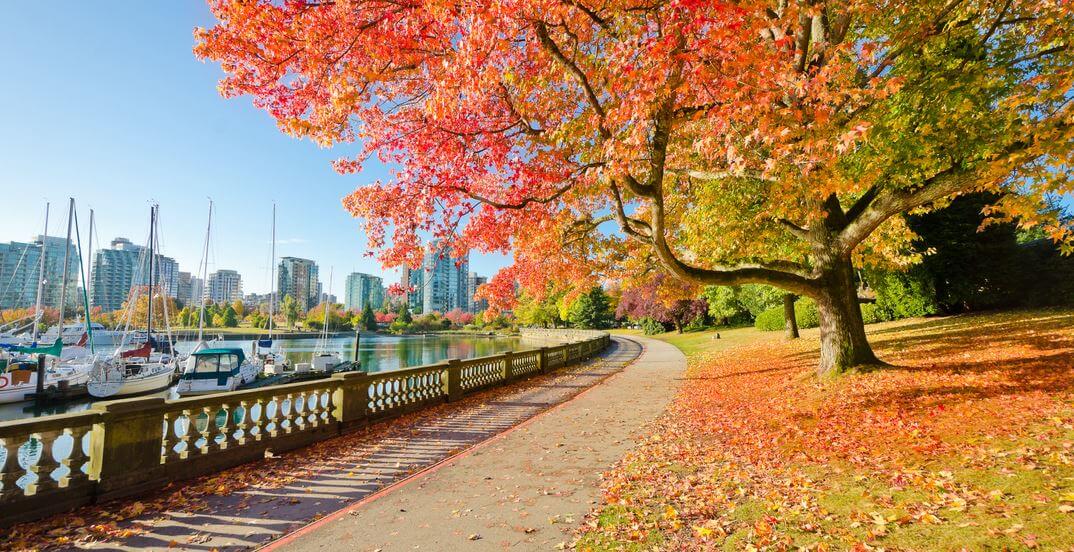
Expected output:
(146, 368)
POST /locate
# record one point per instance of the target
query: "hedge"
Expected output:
(805, 311)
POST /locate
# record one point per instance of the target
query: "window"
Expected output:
(206, 364)
(227, 362)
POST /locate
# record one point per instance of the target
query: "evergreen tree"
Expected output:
(230, 318)
(368, 320)
(592, 310)
(970, 268)
(404, 314)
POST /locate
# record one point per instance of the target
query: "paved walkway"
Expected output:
(525, 490)
(339, 473)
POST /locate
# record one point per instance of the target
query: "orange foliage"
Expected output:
(752, 427)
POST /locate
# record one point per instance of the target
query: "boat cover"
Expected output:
(53, 350)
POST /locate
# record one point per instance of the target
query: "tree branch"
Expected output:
(591, 96)
(709, 175)
(512, 206)
(795, 230)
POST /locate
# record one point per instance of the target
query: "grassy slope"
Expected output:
(967, 441)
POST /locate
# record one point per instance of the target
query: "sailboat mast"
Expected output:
(66, 260)
(330, 271)
(82, 272)
(40, 276)
(204, 272)
(152, 282)
(89, 261)
(272, 275)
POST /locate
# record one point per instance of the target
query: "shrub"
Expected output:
(805, 312)
(902, 294)
(650, 326)
(871, 313)
(769, 320)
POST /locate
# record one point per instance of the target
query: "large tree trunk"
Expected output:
(790, 321)
(843, 344)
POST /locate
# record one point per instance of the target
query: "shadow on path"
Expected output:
(259, 514)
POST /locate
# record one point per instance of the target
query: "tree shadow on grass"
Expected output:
(944, 337)
(1051, 374)
(1043, 333)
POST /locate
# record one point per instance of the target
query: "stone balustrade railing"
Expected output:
(123, 447)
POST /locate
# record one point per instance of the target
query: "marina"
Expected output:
(376, 353)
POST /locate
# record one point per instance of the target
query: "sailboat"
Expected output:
(265, 358)
(213, 370)
(18, 372)
(19, 364)
(325, 360)
(143, 369)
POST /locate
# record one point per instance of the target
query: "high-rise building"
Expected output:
(224, 286)
(413, 280)
(445, 281)
(362, 290)
(125, 265)
(472, 283)
(197, 289)
(298, 278)
(167, 275)
(184, 291)
(19, 267)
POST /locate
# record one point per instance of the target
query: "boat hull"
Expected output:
(136, 385)
(18, 387)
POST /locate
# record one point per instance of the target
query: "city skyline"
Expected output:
(113, 270)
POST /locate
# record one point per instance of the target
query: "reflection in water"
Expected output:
(377, 353)
(380, 353)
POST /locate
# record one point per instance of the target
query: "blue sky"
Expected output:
(105, 102)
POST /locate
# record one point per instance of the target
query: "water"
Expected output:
(377, 353)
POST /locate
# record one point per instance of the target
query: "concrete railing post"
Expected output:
(454, 380)
(126, 446)
(542, 360)
(351, 399)
(508, 369)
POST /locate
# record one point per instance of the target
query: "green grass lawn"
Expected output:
(693, 343)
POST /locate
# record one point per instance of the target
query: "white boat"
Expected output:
(131, 373)
(325, 361)
(209, 370)
(18, 376)
(144, 369)
(76, 334)
(267, 360)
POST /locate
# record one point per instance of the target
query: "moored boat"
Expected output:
(19, 374)
(215, 370)
(148, 368)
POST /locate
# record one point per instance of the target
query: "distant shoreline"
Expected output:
(233, 334)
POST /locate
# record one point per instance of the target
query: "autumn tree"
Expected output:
(163, 307)
(543, 312)
(664, 300)
(290, 309)
(772, 142)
